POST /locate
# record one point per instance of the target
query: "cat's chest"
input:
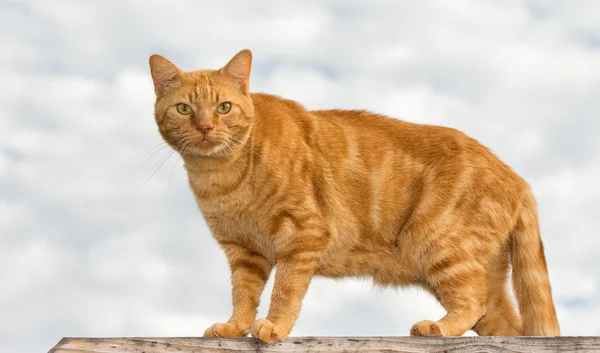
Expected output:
(232, 222)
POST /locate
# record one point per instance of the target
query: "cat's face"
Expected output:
(205, 113)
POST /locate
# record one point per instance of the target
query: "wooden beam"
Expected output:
(329, 344)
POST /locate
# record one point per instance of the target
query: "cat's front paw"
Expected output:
(268, 332)
(225, 330)
(426, 328)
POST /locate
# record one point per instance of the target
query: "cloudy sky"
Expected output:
(98, 238)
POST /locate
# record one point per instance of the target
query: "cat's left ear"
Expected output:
(239, 69)
(164, 74)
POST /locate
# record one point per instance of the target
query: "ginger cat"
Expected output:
(340, 193)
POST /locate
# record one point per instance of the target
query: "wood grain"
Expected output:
(330, 344)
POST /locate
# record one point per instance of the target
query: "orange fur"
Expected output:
(350, 193)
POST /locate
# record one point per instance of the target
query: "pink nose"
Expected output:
(204, 128)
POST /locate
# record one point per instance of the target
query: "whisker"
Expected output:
(160, 165)
(159, 160)
(162, 146)
(171, 175)
(236, 140)
(151, 149)
(175, 164)
(228, 146)
(225, 151)
(155, 152)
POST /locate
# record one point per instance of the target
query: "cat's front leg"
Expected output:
(295, 270)
(249, 274)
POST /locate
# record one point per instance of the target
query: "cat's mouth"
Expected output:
(213, 145)
(205, 146)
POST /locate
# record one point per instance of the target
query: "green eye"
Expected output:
(184, 109)
(224, 108)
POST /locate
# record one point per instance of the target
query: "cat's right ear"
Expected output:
(164, 74)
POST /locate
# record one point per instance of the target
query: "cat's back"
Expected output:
(376, 131)
(369, 138)
(377, 136)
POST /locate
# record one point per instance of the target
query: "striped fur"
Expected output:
(349, 193)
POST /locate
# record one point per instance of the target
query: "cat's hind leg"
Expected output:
(501, 318)
(460, 283)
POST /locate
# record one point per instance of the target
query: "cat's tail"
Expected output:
(530, 274)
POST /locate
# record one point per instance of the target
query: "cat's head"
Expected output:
(204, 113)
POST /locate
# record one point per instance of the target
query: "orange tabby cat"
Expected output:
(349, 193)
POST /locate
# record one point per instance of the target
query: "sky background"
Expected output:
(91, 245)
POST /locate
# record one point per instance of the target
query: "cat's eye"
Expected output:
(224, 108)
(184, 109)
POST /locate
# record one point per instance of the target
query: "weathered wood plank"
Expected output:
(330, 345)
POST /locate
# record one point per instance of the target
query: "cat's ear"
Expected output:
(239, 69)
(164, 74)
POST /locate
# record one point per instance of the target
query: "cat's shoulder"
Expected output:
(271, 101)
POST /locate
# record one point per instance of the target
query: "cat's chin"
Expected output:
(206, 149)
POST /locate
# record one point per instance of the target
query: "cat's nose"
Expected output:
(204, 128)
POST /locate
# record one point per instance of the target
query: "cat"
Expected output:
(344, 193)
